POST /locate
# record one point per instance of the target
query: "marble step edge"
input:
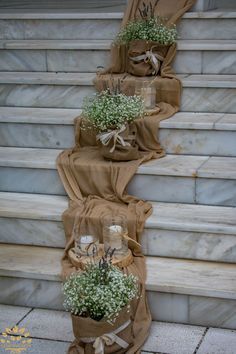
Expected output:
(66, 116)
(69, 15)
(168, 275)
(103, 44)
(86, 79)
(170, 165)
(165, 216)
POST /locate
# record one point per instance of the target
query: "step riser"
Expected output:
(155, 242)
(175, 141)
(173, 189)
(107, 29)
(187, 62)
(189, 309)
(65, 96)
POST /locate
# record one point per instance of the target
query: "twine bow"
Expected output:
(107, 339)
(106, 137)
(149, 57)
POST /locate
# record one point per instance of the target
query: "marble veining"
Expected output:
(32, 232)
(216, 191)
(219, 62)
(191, 245)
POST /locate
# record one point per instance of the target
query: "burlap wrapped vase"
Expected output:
(119, 144)
(101, 337)
(145, 57)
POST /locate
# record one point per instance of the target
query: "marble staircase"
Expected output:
(47, 64)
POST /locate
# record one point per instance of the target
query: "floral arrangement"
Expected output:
(149, 28)
(99, 292)
(109, 111)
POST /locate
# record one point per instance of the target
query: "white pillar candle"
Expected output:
(82, 245)
(115, 236)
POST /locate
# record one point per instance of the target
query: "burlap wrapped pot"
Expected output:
(101, 337)
(145, 57)
(122, 146)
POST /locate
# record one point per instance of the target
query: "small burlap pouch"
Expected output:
(101, 337)
(119, 145)
(146, 57)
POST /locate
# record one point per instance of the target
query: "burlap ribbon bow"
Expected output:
(106, 339)
(106, 137)
(149, 57)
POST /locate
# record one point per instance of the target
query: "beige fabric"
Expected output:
(97, 187)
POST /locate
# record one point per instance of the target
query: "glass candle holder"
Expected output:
(147, 92)
(86, 245)
(114, 230)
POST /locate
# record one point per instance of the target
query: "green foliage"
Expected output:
(105, 111)
(101, 291)
(149, 29)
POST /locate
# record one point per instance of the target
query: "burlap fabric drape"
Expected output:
(97, 187)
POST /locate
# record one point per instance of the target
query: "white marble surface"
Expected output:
(168, 307)
(30, 262)
(218, 341)
(214, 100)
(218, 167)
(32, 232)
(31, 292)
(164, 275)
(219, 62)
(19, 60)
(45, 96)
(216, 191)
(23, 180)
(173, 339)
(227, 122)
(191, 245)
(36, 135)
(38, 115)
(32, 206)
(197, 141)
(163, 188)
(189, 217)
(181, 217)
(206, 311)
(190, 120)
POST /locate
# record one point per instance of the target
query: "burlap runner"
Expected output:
(97, 187)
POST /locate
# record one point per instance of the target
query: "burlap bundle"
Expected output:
(100, 336)
(145, 58)
(124, 150)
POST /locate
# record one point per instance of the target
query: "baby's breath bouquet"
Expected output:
(111, 115)
(99, 292)
(148, 40)
(107, 111)
(152, 29)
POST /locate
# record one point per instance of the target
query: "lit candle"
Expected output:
(115, 239)
(85, 245)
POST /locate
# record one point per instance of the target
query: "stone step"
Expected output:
(173, 230)
(184, 133)
(184, 290)
(194, 56)
(177, 178)
(216, 24)
(201, 93)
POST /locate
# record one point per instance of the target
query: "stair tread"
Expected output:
(52, 14)
(86, 79)
(169, 165)
(167, 216)
(104, 44)
(199, 278)
(64, 116)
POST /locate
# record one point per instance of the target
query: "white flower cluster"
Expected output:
(99, 292)
(106, 111)
(151, 29)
